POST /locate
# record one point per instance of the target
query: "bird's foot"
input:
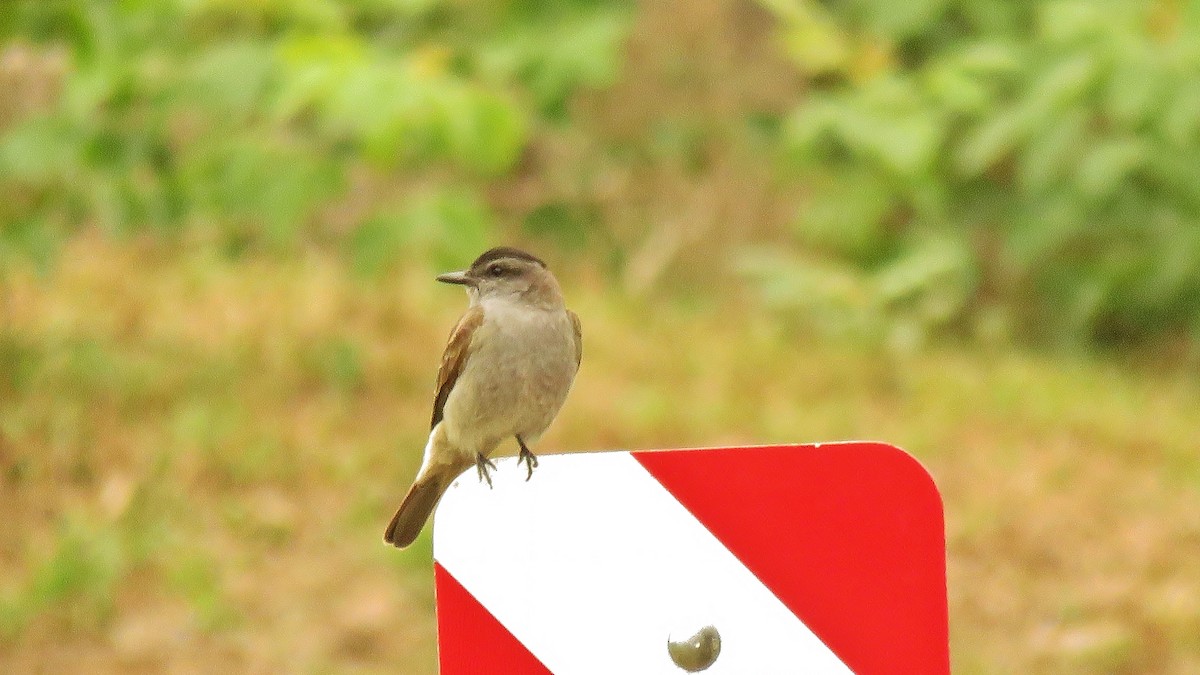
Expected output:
(530, 459)
(482, 466)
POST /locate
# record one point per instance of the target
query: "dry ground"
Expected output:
(197, 458)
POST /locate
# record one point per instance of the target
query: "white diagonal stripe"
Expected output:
(592, 564)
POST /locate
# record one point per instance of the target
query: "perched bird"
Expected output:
(505, 373)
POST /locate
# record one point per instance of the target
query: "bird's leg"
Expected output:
(482, 465)
(531, 460)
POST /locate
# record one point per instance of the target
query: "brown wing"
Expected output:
(578, 337)
(453, 359)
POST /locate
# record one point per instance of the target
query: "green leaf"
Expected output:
(41, 149)
(269, 188)
(454, 224)
(833, 297)
(810, 124)
(1071, 20)
(954, 88)
(845, 214)
(490, 136)
(1180, 120)
(1041, 230)
(313, 15)
(230, 81)
(1053, 150)
(903, 20)
(993, 140)
(1135, 89)
(934, 270)
(1065, 83)
(553, 53)
(376, 243)
(989, 56)
(812, 39)
(1107, 165)
(889, 123)
(566, 223)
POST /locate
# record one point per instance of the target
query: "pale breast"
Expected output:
(517, 377)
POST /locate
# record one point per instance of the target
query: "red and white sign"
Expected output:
(806, 559)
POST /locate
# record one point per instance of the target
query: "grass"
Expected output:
(198, 457)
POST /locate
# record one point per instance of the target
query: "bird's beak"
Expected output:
(459, 278)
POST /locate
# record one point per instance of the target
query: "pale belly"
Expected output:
(514, 382)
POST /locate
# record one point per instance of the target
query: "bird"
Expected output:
(505, 373)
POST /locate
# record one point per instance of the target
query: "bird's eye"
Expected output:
(495, 271)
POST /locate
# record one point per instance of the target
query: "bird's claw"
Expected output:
(482, 466)
(530, 459)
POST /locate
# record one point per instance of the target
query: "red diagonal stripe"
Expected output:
(849, 536)
(471, 640)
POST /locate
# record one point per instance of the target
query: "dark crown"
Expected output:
(505, 252)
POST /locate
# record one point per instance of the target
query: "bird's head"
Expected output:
(508, 273)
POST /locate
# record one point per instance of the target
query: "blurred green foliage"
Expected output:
(1013, 165)
(248, 124)
(1003, 170)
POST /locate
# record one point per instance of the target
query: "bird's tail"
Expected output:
(438, 471)
(416, 508)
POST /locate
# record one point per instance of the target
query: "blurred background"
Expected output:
(967, 227)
